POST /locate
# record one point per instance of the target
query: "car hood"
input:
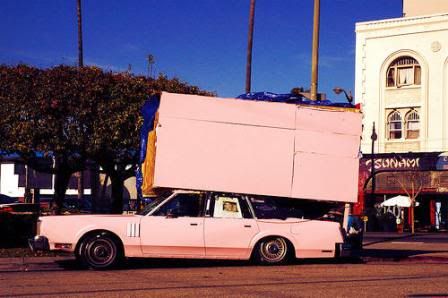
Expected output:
(69, 228)
(87, 217)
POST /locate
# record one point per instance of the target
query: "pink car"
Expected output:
(190, 224)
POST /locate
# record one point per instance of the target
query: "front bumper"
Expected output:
(38, 243)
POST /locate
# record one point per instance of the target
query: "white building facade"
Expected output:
(401, 82)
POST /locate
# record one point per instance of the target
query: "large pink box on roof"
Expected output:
(253, 147)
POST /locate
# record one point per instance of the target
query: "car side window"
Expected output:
(182, 205)
(282, 208)
(230, 206)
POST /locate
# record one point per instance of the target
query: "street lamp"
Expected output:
(348, 96)
(373, 137)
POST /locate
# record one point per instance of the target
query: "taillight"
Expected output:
(6, 209)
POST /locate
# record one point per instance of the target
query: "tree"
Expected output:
(411, 183)
(117, 136)
(56, 119)
(48, 116)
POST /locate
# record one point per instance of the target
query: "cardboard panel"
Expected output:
(264, 148)
(336, 145)
(324, 177)
(330, 120)
(227, 110)
(223, 157)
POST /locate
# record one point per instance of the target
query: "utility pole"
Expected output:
(80, 52)
(80, 64)
(250, 39)
(151, 62)
(315, 52)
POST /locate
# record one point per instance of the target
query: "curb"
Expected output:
(8, 262)
(429, 259)
(33, 260)
(410, 259)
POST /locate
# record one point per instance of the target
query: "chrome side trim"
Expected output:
(133, 230)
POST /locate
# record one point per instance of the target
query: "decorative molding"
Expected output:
(436, 46)
(400, 22)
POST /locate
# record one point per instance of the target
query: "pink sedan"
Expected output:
(190, 224)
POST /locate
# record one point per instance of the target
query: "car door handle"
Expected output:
(193, 224)
(247, 226)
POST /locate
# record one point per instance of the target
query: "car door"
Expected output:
(176, 228)
(228, 227)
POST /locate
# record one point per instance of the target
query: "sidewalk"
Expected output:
(423, 247)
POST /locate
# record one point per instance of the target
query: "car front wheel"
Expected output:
(100, 251)
(271, 251)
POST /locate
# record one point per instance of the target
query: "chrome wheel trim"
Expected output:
(274, 250)
(100, 252)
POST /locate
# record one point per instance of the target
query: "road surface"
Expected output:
(235, 279)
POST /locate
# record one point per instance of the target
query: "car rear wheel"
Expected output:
(272, 251)
(100, 251)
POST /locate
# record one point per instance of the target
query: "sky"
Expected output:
(202, 42)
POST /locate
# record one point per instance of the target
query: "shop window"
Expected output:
(412, 125)
(403, 71)
(391, 181)
(395, 126)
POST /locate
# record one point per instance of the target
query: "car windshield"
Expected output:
(151, 205)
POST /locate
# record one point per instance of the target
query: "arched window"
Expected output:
(403, 71)
(395, 126)
(412, 125)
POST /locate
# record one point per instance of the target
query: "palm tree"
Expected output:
(249, 46)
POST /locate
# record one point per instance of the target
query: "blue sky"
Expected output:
(200, 41)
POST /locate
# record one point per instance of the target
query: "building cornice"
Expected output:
(401, 22)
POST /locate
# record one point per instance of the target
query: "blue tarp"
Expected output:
(148, 111)
(290, 98)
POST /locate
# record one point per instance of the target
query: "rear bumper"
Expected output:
(38, 243)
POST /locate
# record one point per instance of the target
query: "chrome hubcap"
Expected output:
(274, 250)
(101, 252)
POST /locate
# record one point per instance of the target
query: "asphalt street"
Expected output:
(233, 279)
(390, 265)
